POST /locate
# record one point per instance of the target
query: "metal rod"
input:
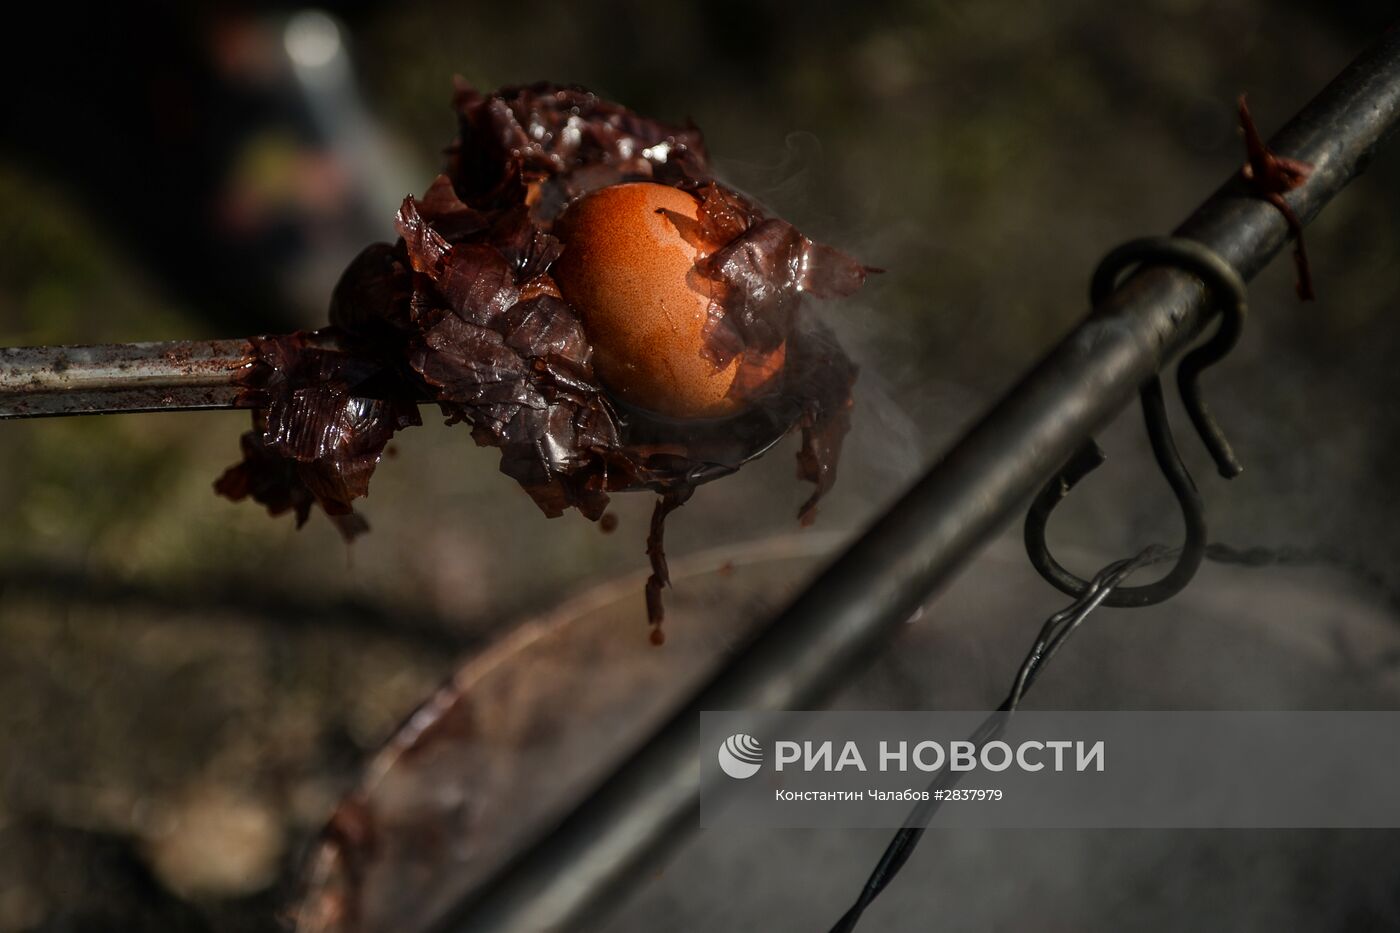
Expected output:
(612, 841)
(184, 374)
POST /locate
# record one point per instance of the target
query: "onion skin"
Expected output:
(628, 269)
(575, 265)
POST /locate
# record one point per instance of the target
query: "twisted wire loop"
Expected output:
(1052, 636)
(1228, 290)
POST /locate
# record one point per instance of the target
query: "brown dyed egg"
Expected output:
(626, 269)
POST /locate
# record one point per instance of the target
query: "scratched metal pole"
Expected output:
(614, 840)
(37, 382)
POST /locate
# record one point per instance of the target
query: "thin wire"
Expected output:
(1053, 634)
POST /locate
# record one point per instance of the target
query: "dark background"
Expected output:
(186, 685)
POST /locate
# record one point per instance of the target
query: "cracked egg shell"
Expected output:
(627, 268)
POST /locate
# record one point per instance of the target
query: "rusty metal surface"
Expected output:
(127, 377)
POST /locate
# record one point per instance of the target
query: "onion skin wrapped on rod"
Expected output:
(579, 291)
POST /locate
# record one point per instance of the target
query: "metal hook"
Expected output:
(1228, 289)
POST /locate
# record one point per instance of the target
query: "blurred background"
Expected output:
(187, 686)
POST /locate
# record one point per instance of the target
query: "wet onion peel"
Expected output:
(579, 291)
